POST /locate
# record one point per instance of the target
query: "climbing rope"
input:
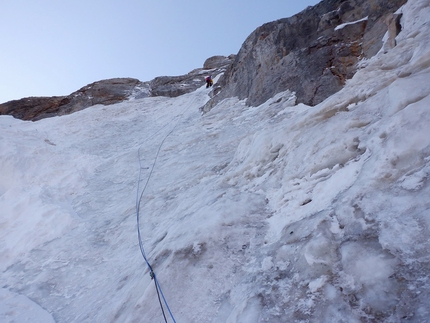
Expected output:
(160, 295)
(142, 249)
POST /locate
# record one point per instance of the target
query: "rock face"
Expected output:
(113, 91)
(217, 61)
(173, 86)
(102, 92)
(311, 53)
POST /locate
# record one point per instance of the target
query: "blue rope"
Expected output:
(142, 249)
(138, 201)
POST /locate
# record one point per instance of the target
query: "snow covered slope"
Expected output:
(276, 213)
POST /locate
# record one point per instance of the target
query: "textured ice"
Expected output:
(276, 213)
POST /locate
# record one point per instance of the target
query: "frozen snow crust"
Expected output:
(276, 213)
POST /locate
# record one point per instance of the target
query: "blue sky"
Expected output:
(52, 47)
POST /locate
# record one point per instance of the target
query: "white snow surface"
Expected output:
(341, 26)
(276, 213)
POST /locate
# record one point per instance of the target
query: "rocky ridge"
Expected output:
(112, 91)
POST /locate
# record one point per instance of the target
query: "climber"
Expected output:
(209, 81)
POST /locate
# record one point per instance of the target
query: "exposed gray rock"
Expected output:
(306, 53)
(217, 61)
(393, 24)
(173, 86)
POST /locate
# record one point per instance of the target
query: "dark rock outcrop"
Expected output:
(33, 107)
(311, 53)
(103, 92)
(173, 86)
(113, 91)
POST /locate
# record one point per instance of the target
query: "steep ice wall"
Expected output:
(318, 214)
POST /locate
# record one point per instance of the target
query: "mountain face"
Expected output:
(277, 213)
(312, 53)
